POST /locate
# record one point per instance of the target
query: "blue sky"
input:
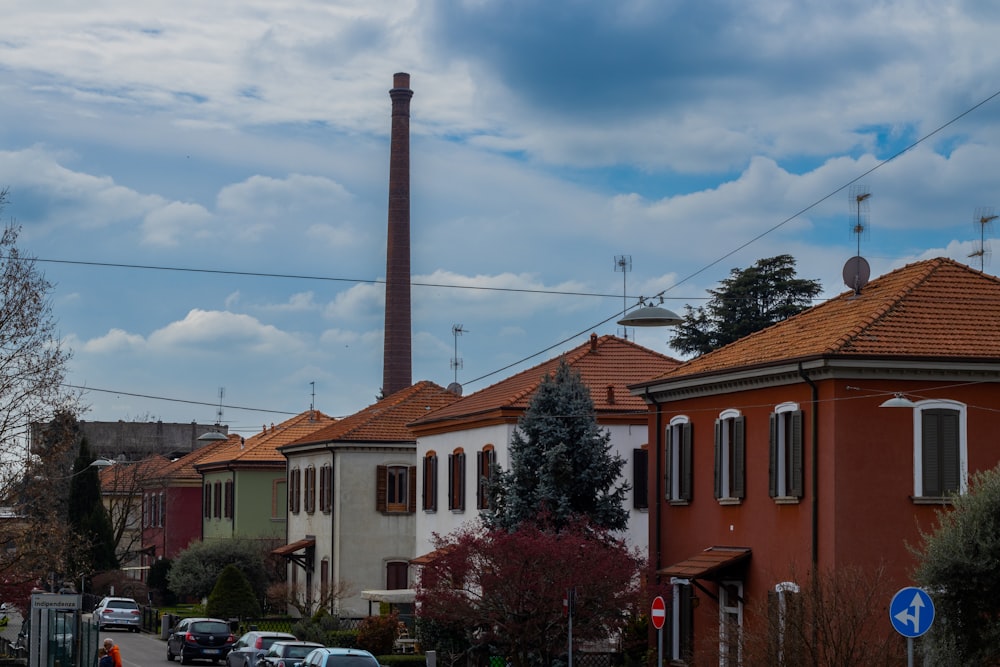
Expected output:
(546, 139)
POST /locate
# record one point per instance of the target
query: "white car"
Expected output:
(118, 613)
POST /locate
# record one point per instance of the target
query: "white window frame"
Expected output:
(782, 449)
(726, 610)
(675, 617)
(963, 450)
(675, 439)
(725, 473)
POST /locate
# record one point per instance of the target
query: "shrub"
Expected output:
(232, 597)
(377, 634)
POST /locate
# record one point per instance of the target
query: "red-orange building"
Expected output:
(773, 456)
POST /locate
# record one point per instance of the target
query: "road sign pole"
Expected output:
(909, 652)
(659, 648)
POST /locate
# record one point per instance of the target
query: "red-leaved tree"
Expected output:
(503, 592)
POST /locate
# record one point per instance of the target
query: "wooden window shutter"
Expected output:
(381, 488)
(668, 463)
(687, 452)
(718, 459)
(772, 456)
(796, 484)
(930, 452)
(739, 474)
(411, 504)
(640, 483)
(460, 486)
(480, 480)
(451, 481)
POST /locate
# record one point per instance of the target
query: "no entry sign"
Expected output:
(658, 613)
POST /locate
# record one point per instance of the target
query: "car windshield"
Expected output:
(210, 628)
(122, 604)
(349, 661)
(298, 651)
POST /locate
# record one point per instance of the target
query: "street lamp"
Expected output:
(898, 401)
(648, 315)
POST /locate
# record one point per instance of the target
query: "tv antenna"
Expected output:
(623, 263)
(856, 270)
(218, 413)
(456, 361)
(983, 219)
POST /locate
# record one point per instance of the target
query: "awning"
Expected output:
(430, 556)
(392, 596)
(708, 564)
(290, 548)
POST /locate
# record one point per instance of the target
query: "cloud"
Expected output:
(207, 329)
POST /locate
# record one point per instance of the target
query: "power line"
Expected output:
(761, 235)
(178, 400)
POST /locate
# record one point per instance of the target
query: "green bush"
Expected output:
(232, 597)
(324, 628)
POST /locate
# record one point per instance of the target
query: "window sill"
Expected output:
(786, 500)
(678, 502)
(931, 500)
(730, 501)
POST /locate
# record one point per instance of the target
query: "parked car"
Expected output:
(248, 647)
(200, 639)
(339, 657)
(286, 654)
(118, 613)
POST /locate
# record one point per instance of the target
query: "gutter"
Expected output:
(658, 443)
(813, 466)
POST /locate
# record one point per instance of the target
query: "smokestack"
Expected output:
(397, 368)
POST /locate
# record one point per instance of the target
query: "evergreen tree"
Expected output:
(958, 566)
(747, 301)
(233, 596)
(561, 463)
(89, 518)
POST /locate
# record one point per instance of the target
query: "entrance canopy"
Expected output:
(305, 559)
(710, 564)
(392, 596)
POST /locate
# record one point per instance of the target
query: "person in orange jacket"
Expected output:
(113, 651)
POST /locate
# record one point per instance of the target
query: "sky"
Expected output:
(205, 184)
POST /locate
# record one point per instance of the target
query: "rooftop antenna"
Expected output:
(856, 270)
(312, 398)
(218, 414)
(456, 361)
(984, 221)
(623, 263)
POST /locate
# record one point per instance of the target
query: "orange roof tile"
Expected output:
(262, 448)
(127, 477)
(386, 420)
(183, 470)
(933, 309)
(603, 362)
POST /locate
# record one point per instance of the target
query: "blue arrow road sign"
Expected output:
(911, 611)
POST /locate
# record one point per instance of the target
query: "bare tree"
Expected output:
(122, 487)
(32, 368)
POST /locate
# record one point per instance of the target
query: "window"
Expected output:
(395, 489)
(456, 480)
(310, 489)
(430, 482)
(677, 457)
(324, 580)
(326, 489)
(217, 500)
(279, 494)
(206, 498)
(486, 461)
(640, 484)
(680, 631)
(785, 613)
(785, 469)
(940, 463)
(163, 508)
(294, 490)
(229, 499)
(730, 623)
(730, 456)
(397, 575)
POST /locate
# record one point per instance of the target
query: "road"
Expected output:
(140, 649)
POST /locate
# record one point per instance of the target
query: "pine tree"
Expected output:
(89, 518)
(561, 463)
(748, 300)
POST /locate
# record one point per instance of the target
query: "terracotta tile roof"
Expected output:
(127, 477)
(386, 420)
(262, 448)
(603, 362)
(933, 309)
(183, 469)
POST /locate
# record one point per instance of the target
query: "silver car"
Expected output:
(118, 613)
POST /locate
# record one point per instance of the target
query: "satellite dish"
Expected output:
(856, 273)
(455, 388)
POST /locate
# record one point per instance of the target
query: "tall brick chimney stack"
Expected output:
(397, 365)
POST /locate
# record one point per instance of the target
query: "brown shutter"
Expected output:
(795, 452)
(411, 504)
(640, 481)
(381, 488)
(687, 472)
(718, 459)
(772, 460)
(739, 474)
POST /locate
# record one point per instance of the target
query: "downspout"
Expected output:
(813, 466)
(657, 530)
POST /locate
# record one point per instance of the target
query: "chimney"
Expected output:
(397, 371)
